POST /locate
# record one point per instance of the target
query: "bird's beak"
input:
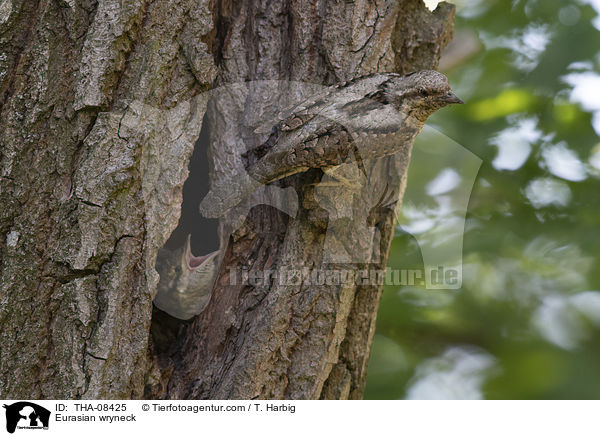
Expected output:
(451, 98)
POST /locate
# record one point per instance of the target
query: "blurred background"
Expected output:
(525, 323)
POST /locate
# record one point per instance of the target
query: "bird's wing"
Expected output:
(297, 115)
(304, 108)
(321, 143)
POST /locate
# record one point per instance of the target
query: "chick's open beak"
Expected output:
(451, 98)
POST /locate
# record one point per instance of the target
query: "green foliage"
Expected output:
(526, 322)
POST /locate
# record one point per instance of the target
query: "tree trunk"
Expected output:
(101, 104)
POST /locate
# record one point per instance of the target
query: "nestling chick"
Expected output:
(186, 281)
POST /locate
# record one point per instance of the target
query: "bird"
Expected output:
(186, 281)
(367, 117)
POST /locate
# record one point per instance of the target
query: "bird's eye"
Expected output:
(424, 92)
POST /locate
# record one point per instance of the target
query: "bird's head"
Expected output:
(421, 93)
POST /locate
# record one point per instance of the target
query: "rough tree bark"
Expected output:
(101, 103)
